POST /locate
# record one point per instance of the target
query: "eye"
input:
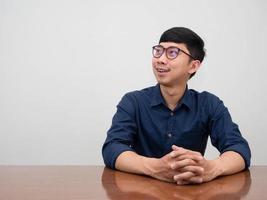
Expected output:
(157, 50)
(173, 52)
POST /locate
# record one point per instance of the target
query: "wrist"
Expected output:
(216, 167)
(149, 165)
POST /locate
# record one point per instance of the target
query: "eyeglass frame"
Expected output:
(165, 50)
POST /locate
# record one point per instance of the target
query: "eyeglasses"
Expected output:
(171, 52)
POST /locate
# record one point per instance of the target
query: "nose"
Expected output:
(162, 59)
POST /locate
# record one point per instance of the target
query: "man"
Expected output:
(162, 131)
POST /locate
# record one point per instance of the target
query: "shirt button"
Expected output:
(169, 135)
(171, 113)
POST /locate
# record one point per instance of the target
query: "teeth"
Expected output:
(162, 70)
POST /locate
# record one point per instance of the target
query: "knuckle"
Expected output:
(192, 162)
(199, 154)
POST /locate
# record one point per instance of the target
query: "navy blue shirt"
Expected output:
(144, 124)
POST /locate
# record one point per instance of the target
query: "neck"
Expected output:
(172, 94)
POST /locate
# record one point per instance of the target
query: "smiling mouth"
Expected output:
(162, 70)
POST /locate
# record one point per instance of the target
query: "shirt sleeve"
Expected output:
(225, 134)
(120, 136)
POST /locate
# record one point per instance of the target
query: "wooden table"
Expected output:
(97, 182)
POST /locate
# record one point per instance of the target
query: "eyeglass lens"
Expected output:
(171, 52)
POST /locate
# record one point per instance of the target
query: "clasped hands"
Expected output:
(183, 166)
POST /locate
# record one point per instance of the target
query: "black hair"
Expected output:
(193, 42)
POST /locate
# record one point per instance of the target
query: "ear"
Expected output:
(194, 66)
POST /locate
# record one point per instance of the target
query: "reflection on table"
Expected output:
(98, 182)
(120, 185)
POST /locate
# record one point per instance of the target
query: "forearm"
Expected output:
(227, 163)
(130, 161)
(159, 168)
(230, 162)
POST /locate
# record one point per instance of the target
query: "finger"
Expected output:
(174, 147)
(193, 180)
(178, 151)
(195, 157)
(186, 176)
(182, 163)
(198, 171)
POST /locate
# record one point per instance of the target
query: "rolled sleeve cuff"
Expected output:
(112, 152)
(243, 151)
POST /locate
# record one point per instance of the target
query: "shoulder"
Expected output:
(210, 97)
(137, 97)
(207, 101)
(204, 96)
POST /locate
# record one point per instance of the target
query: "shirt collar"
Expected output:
(156, 96)
(158, 99)
(187, 99)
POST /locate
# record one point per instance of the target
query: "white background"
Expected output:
(65, 64)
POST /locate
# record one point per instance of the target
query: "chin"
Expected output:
(164, 83)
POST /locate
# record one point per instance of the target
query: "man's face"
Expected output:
(176, 71)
